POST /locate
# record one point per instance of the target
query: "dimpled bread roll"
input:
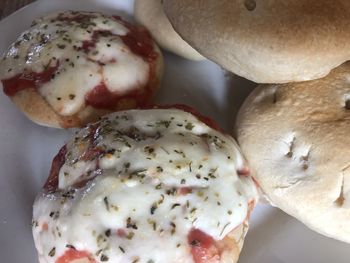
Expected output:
(150, 13)
(266, 41)
(69, 68)
(297, 140)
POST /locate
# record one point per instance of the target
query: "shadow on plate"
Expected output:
(205, 86)
(275, 237)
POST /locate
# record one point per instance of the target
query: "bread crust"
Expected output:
(35, 107)
(296, 139)
(150, 14)
(266, 41)
(231, 245)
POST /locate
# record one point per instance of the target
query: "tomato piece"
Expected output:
(73, 254)
(203, 247)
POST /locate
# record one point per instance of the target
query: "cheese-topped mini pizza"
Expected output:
(155, 185)
(70, 68)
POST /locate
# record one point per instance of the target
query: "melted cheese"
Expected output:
(55, 41)
(149, 158)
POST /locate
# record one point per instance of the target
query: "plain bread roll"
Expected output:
(266, 41)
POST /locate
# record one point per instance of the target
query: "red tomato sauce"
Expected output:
(140, 42)
(184, 190)
(90, 44)
(102, 98)
(73, 254)
(90, 153)
(203, 247)
(92, 150)
(45, 226)
(28, 79)
(52, 182)
(245, 171)
(121, 233)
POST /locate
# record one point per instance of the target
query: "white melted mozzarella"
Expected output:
(53, 41)
(140, 197)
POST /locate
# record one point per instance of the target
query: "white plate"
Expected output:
(26, 151)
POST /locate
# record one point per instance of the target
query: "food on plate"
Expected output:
(72, 67)
(153, 185)
(296, 138)
(266, 41)
(150, 13)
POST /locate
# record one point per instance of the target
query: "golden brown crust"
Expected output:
(296, 139)
(231, 246)
(150, 14)
(36, 108)
(266, 41)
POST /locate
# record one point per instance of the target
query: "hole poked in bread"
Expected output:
(289, 154)
(269, 95)
(274, 97)
(347, 104)
(340, 200)
(298, 152)
(250, 4)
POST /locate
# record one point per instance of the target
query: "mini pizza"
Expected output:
(70, 68)
(155, 185)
